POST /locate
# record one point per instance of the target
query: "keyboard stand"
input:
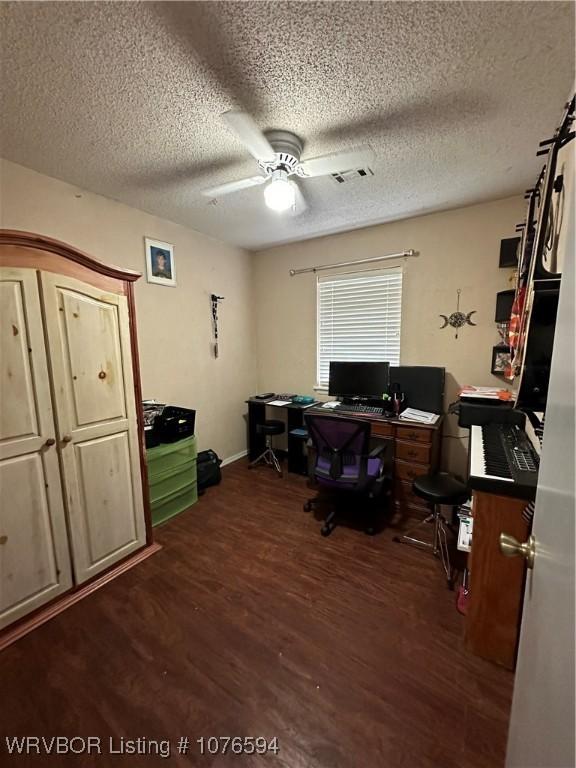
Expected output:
(439, 543)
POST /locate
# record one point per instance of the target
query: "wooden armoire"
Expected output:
(74, 506)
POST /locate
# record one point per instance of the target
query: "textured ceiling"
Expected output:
(124, 99)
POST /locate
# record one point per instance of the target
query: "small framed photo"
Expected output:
(160, 267)
(500, 360)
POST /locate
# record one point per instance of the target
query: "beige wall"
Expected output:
(458, 249)
(268, 320)
(174, 324)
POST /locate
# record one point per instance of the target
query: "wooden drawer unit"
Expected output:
(405, 496)
(407, 471)
(382, 429)
(412, 433)
(413, 452)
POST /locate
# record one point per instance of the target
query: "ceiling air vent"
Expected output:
(342, 178)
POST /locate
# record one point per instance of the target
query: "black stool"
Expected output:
(437, 489)
(269, 428)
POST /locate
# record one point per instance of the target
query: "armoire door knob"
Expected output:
(50, 442)
(67, 439)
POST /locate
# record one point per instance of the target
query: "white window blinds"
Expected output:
(359, 319)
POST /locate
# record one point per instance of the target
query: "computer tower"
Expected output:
(422, 385)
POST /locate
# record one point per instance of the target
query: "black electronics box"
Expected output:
(422, 386)
(472, 413)
(167, 423)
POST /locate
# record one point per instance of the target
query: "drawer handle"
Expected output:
(412, 453)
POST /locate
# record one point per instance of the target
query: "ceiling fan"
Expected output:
(278, 155)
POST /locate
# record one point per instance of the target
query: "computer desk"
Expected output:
(295, 420)
(416, 446)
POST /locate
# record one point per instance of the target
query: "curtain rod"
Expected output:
(400, 255)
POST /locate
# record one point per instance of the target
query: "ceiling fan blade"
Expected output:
(337, 161)
(234, 186)
(250, 135)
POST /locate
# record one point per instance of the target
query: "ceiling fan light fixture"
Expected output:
(279, 194)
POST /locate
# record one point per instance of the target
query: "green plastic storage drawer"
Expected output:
(172, 478)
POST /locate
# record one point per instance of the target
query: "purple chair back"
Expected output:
(341, 447)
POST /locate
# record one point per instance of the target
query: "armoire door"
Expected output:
(89, 344)
(34, 550)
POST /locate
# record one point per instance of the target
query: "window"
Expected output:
(358, 319)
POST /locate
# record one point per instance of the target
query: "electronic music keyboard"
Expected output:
(503, 460)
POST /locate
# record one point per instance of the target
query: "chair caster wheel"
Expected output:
(307, 506)
(326, 530)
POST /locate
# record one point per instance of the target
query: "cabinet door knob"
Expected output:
(50, 442)
(511, 547)
(67, 439)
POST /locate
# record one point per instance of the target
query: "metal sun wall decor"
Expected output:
(458, 319)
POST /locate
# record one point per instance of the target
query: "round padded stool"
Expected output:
(440, 488)
(437, 489)
(269, 428)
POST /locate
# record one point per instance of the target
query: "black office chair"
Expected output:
(438, 489)
(269, 429)
(344, 465)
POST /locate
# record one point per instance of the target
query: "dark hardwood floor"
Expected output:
(348, 649)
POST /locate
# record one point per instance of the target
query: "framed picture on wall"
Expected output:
(160, 266)
(500, 359)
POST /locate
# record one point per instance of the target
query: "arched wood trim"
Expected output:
(42, 243)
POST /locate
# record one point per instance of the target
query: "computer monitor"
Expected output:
(358, 379)
(422, 386)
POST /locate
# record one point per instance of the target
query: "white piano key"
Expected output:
(477, 465)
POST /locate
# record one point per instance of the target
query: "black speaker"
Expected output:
(504, 301)
(509, 252)
(535, 374)
(422, 385)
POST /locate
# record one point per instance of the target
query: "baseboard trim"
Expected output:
(236, 456)
(27, 624)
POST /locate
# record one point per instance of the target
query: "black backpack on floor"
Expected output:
(208, 470)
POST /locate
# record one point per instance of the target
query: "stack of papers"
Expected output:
(486, 393)
(331, 404)
(423, 417)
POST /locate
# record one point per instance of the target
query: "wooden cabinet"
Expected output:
(94, 397)
(71, 443)
(34, 558)
(417, 452)
(496, 582)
